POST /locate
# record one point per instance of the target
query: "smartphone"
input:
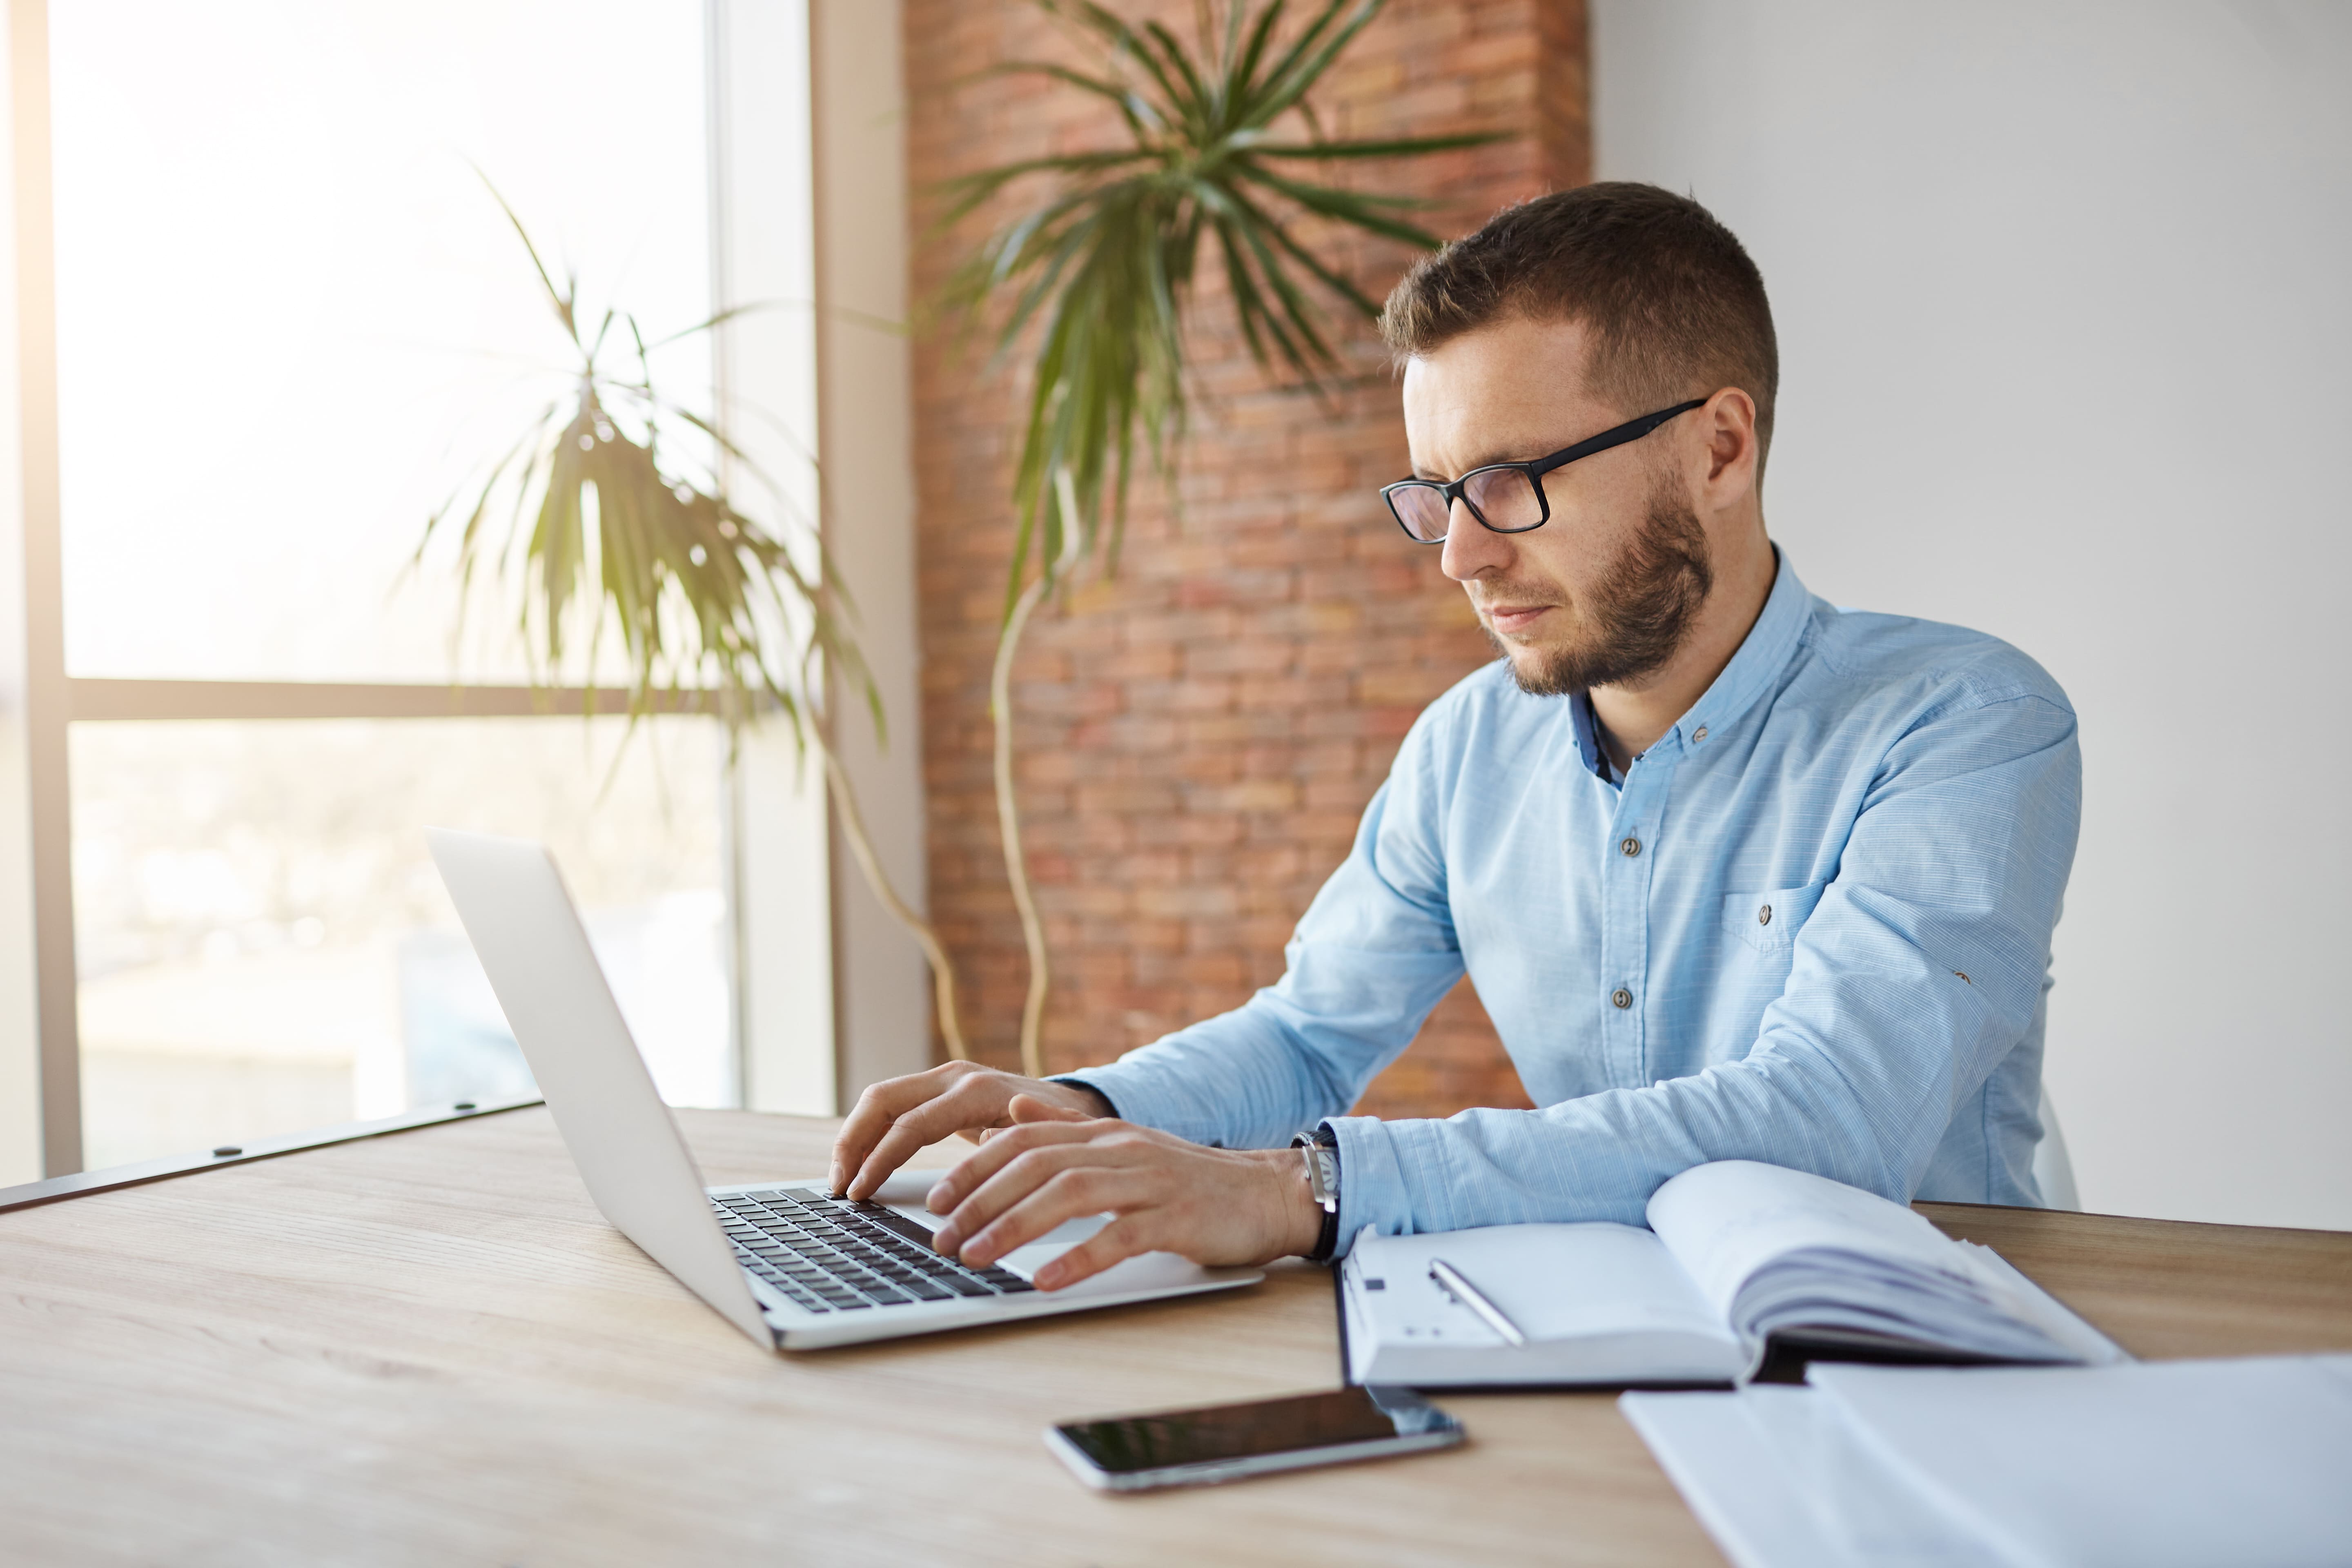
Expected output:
(1226, 1442)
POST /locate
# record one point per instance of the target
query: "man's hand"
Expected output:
(1215, 1206)
(894, 1119)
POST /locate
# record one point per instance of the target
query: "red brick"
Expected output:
(1199, 733)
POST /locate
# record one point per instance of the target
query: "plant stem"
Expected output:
(861, 848)
(1008, 823)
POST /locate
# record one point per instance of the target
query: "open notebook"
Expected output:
(1745, 1266)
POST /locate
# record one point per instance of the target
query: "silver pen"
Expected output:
(1449, 1279)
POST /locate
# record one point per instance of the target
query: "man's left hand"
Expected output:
(1215, 1206)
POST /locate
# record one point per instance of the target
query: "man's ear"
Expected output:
(1728, 425)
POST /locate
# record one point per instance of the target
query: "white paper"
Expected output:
(2156, 1465)
(2209, 1464)
(1777, 1486)
(1744, 1490)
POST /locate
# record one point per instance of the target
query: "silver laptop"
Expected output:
(789, 1264)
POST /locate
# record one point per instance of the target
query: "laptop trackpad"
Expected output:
(1152, 1272)
(905, 1191)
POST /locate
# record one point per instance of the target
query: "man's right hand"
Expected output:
(896, 1117)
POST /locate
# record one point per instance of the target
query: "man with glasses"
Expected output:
(1737, 875)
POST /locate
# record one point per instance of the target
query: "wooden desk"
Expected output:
(428, 1348)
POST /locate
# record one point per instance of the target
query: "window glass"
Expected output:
(265, 946)
(291, 317)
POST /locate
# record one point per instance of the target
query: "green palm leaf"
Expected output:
(1103, 267)
(608, 535)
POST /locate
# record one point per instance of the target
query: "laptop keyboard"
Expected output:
(832, 1255)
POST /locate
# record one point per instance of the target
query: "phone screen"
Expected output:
(1225, 1432)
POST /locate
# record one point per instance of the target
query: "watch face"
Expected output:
(1324, 1178)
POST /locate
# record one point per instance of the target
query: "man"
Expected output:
(1737, 874)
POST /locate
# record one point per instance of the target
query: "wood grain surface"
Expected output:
(428, 1348)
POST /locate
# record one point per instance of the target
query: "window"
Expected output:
(265, 316)
(289, 317)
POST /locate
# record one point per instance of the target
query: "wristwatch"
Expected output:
(1321, 1151)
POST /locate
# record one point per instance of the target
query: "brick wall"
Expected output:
(1198, 735)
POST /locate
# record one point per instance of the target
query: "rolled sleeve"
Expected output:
(1373, 954)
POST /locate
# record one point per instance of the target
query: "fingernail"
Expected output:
(937, 1199)
(832, 1178)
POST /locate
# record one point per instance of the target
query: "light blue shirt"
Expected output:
(1810, 927)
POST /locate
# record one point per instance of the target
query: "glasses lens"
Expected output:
(1505, 497)
(1422, 509)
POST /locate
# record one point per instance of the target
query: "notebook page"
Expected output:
(1725, 1221)
(2034, 1305)
(1555, 1281)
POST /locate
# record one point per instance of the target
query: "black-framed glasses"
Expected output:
(1505, 497)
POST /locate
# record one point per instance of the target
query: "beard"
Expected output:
(1637, 615)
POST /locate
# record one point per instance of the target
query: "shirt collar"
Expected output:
(1763, 654)
(1588, 740)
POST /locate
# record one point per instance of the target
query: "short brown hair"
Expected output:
(1676, 307)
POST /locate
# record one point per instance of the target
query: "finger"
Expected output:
(989, 1213)
(1000, 1150)
(971, 1102)
(981, 1196)
(1029, 1108)
(1130, 1236)
(876, 1108)
(1078, 1193)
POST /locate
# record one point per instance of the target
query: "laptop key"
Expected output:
(830, 1255)
(898, 1225)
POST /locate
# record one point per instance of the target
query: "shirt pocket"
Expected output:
(1768, 922)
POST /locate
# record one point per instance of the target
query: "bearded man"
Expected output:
(1737, 874)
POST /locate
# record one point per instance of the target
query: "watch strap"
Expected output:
(1316, 1148)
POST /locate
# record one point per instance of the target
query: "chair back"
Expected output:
(2053, 1173)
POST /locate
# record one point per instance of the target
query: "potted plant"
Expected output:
(1217, 154)
(593, 522)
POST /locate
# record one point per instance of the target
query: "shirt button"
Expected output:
(1764, 916)
(1621, 997)
(1631, 847)
(1699, 734)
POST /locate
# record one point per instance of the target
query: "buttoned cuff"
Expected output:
(1373, 1187)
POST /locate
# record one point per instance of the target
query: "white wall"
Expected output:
(2064, 297)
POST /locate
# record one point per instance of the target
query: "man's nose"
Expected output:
(1471, 549)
